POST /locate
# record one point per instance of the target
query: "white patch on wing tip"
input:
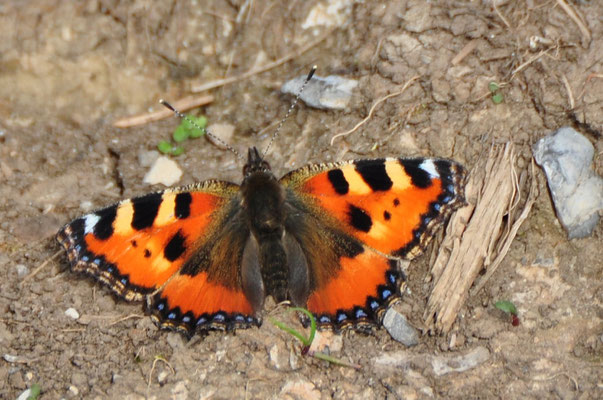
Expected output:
(90, 220)
(429, 167)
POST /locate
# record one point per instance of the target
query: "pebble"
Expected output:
(10, 358)
(331, 92)
(22, 270)
(300, 389)
(577, 191)
(400, 329)
(443, 365)
(326, 342)
(333, 13)
(25, 395)
(164, 171)
(72, 313)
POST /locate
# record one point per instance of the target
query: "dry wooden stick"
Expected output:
(41, 266)
(471, 237)
(508, 239)
(254, 71)
(183, 104)
(574, 16)
(370, 114)
(469, 47)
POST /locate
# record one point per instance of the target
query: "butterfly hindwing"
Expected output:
(382, 209)
(144, 245)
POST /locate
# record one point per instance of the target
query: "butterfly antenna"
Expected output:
(208, 133)
(280, 125)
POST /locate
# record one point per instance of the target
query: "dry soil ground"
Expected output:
(69, 69)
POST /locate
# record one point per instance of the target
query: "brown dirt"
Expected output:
(68, 69)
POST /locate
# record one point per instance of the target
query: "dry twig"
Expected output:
(183, 105)
(576, 18)
(41, 266)
(570, 94)
(473, 236)
(370, 114)
(469, 47)
(158, 358)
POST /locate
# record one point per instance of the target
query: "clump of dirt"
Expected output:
(68, 70)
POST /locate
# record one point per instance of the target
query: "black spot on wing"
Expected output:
(396, 202)
(338, 181)
(147, 253)
(183, 205)
(359, 219)
(386, 215)
(374, 174)
(175, 247)
(104, 227)
(145, 210)
(419, 177)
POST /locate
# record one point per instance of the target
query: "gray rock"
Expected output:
(399, 328)
(577, 191)
(331, 92)
(443, 365)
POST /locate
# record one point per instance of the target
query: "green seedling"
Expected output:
(497, 96)
(508, 308)
(190, 128)
(34, 392)
(307, 341)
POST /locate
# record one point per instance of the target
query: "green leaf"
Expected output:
(176, 151)
(165, 147)
(34, 393)
(201, 121)
(181, 133)
(493, 87)
(306, 341)
(196, 133)
(497, 98)
(506, 306)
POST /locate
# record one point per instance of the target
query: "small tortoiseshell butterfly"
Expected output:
(327, 237)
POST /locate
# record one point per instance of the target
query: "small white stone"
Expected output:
(72, 313)
(74, 390)
(334, 13)
(10, 358)
(22, 270)
(162, 376)
(164, 171)
(331, 92)
(25, 395)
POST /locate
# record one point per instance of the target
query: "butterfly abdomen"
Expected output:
(274, 270)
(263, 200)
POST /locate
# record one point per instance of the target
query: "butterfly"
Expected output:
(327, 237)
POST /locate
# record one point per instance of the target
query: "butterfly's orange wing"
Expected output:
(173, 247)
(355, 219)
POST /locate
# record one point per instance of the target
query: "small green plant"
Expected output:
(34, 392)
(190, 127)
(508, 308)
(497, 96)
(307, 341)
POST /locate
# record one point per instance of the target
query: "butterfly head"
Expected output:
(255, 163)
